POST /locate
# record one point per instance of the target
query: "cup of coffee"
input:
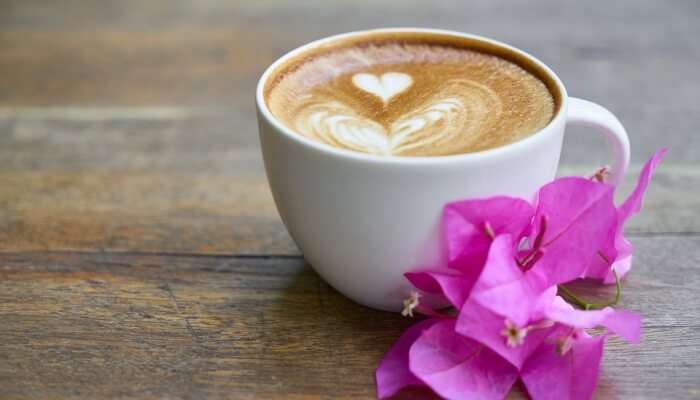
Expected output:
(367, 135)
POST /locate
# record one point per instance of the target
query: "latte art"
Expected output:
(411, 100)
(334, 123)
(438, 121)
(385, 87)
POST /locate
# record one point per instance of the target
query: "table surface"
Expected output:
(141, 255)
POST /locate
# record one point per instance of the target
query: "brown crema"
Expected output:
(398, 97)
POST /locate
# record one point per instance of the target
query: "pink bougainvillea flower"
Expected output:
(582, 237)
(512, 311)
(456, 367)
(393, 373)
(515, 343)
(518, 343)
(452, 284)
(506, 307)
(581, 219)
(575, 228)
(505, 262)
(431, 353)
(505, 288)
(625, 324)
(469, 226)
(565, 367)
(620, 259)
(633, 204)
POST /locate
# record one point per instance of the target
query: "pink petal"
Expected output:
(485, 326)
(456, 367)
(565, 313)
(620, 251)
(622, 261)
(626, 324)
(600, 266)
(454, 285)
(631, 206)
(582, 220)
(500, 267)
(633, 203)
(574, 375)
(393, 373)
(504, 288)
(464, 228)
(622, 266)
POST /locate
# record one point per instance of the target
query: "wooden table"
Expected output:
(141, 255)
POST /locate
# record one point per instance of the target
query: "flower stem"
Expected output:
(488, 230)
(571, 297)
(536, 252)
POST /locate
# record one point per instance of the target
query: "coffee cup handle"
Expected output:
(588, 114)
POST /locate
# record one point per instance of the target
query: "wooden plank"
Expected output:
(130, 127)
(187, 180)
(212, 53)
(163, 139)
(145, 326)
(498, 18)
(139, 211)
(213, 213)
(177, 327)
(128, 137)
(136, 68)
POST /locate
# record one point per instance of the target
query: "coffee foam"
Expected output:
(410, 99)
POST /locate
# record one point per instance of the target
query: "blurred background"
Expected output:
(134, 96)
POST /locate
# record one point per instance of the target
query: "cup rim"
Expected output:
(502, 150)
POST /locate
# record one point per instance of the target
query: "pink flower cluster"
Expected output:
(506, 262)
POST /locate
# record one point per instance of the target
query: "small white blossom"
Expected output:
(410, 303)
(515, 336)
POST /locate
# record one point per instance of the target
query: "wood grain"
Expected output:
(107, 135)
(232, 327)
(134, 68)
(150, 211)
(180, 180)
(210, 53)
(140, 252)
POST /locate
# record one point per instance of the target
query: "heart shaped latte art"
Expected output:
(455, 112)
(385, 86)
(337, 124)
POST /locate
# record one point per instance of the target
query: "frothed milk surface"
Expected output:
(410, 99)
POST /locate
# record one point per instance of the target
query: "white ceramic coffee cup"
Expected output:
(364, 220)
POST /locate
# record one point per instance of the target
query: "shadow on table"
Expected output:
(334, 345)
(325, 344)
